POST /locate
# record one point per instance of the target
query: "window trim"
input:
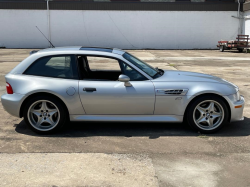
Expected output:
(118, 59)
(73, 61)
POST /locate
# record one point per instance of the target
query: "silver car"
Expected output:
(55, 85)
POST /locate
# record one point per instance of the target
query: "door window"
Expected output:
(100, 63)
(106, 69)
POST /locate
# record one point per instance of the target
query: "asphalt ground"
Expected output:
(132, 154)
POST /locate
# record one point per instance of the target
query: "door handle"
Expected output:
(89, 89)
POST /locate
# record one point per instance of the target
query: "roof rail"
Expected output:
(97, 49)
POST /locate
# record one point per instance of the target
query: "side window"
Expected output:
(54, 66)
(101, 63)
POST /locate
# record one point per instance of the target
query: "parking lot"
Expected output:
(132, 154)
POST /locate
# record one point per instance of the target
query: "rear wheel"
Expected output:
(44, 114)
(207, 114)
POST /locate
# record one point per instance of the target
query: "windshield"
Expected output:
(140, 64)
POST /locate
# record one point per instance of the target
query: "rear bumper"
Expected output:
(237, 108)
(12, 103)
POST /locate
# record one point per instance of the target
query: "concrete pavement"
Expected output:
(150, 154)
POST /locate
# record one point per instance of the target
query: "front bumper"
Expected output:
(237, 108)
(12, 103)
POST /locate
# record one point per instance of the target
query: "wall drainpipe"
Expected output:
(240, 17)
(239, 28)
(48, 21)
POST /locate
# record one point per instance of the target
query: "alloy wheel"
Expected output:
(43, 115)
(208, 115)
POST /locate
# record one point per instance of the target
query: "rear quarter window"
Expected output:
(54, 66)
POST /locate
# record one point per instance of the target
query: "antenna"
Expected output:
(46, 38)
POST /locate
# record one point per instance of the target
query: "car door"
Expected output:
(100, 96)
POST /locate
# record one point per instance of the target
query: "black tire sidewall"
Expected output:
(63, 114)
(195, 102)
(221, 48)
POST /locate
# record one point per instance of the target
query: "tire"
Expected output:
(240, 50)
(222, 48)
(45, 118)
(205, 119)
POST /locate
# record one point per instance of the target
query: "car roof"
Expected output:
(81, 48)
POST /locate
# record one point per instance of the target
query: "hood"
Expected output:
(186, 76)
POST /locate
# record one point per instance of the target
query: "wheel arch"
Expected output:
(208, 94)
(40, 94)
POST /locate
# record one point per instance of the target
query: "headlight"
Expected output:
(238, 95)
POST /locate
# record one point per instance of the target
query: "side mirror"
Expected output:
(125, 79)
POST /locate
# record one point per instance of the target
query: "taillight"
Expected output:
(9, 88)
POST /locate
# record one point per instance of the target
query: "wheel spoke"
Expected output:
(39, 121)
(201, 119)
(216, 115)
(51, 112)
(50, 121)
(210, 107)
(36, 112)
(201, 110)
(210, 122)
(44, 106)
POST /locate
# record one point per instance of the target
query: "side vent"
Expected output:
(171, 92)
(176, 92)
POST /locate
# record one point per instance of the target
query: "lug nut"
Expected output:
(206, 118)
(41, 110)
(211, 112)
(46, 110)
(49, 115)
(203, 114)
(40, 115)
(44, 118)
(211, 116)
(206, 110)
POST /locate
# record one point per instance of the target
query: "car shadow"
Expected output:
(151, 130)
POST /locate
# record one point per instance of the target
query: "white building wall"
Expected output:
(120, 29)
(247, 23)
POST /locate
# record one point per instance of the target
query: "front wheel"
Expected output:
(44, 114)
(207, 114)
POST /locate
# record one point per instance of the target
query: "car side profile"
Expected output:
(55, 85)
